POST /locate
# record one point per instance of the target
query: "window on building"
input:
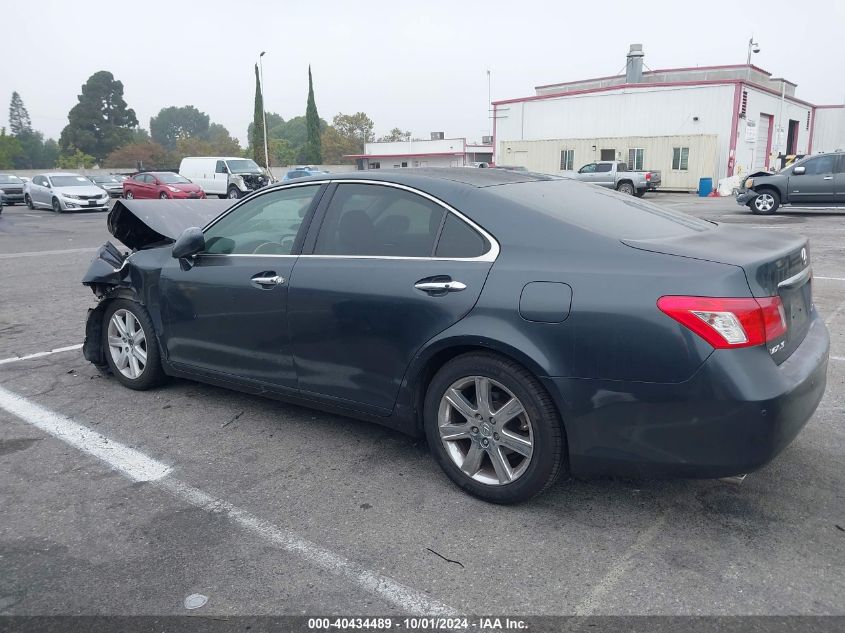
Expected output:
(607, 154)
(375, 165)
(680, 158)
(636, 158)
(567, 159)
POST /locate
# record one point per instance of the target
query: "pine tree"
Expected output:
(258, 123)
(19, 120)
(313, 153)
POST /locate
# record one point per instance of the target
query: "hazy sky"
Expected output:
(420, 66)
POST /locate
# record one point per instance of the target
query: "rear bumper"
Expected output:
(736, 414)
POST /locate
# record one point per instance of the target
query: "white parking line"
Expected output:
(839, 358)
(140, 467)
(66, 251)
(15, 359)
(829, 278)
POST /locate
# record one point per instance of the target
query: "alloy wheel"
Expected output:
(127, 344)
(233, 193)
(129, 195)
(764, 202)
(485, 430)
(627, 189)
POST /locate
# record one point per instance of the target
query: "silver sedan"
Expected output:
(65, 192)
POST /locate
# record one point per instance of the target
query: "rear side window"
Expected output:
(378, 221)
(458, 239)
(601, 211)
(603, 167)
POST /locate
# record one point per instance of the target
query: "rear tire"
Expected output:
(639, 193)
(766, 203)
(625, 187)
(455, 436)
(130, 345)
(28, 201)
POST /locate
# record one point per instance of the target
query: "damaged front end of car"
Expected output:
(254, 182)
(149, 228)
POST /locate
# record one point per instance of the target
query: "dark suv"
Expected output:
(813, 181)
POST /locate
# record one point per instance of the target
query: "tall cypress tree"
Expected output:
(313, 153)
(258, 123)
(19, 121)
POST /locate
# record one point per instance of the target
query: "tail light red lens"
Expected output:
(728, 322)
(648, 176)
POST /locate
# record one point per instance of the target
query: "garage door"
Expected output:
(761, 149)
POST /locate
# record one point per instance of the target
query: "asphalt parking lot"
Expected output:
(267, 508)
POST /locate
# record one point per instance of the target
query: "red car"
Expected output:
(160, 184)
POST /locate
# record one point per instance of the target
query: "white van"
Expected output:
(224, 176)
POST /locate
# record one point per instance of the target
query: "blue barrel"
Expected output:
(705, 187)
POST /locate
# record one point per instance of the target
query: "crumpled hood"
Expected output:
(145, 223)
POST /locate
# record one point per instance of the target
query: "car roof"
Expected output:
(59, 173)
(216, 157)
(416, 176)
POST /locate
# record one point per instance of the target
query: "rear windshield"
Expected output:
(602, 211)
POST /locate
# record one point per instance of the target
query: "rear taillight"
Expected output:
(728, 322)
(648, 176)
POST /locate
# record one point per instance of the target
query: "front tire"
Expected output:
(129, 195)
(57, 206)
(130, 345)
(163, 196)
(234, 193)
(766, 203)
(493, 428)
(28, 201)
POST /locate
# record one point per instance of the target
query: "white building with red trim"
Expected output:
(688, 123)
(437, 152)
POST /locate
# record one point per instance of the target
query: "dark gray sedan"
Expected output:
(524, 324)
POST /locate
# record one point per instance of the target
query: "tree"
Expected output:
(172, 124)
(49, 154)
(337, 147)
(19, 121)
(281, 151)
(395, 135)
(73, 158)
(257, 138)
(313, 151)
(140, 135)
(32, 150)
(222, 142)
(101, 121)
(150, 155)
(10, 149)
(356, 126)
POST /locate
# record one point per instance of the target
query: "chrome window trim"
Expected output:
(490, 256)
(797, 280)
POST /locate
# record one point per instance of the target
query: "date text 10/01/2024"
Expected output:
(491, 624)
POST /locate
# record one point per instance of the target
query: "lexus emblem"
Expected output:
(804, 255)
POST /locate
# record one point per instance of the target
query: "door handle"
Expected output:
(267, 280)
(440, 286)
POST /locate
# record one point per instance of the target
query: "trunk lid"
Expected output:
(775, 264)
(149, 223)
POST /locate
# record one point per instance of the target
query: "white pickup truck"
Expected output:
(615, 175)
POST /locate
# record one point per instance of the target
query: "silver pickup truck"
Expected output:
(609, 173)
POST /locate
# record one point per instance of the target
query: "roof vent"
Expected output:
(634, 64)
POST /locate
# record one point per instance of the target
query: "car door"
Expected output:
(226, 314)
(37, 189)
(605, 176)
(840, 181)
(817, 185)
(587, 173)
(371, 288)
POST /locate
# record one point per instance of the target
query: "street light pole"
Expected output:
(264, 116)
(753, 47)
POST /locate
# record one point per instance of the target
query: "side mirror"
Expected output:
(191, 242)
(799, 171)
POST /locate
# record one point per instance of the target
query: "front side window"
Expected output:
(567, 159)
(373, 220)
(603, 167)
(588, 169)
(822, 165)
(680, 158)
(266, 225)
(220, 167)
